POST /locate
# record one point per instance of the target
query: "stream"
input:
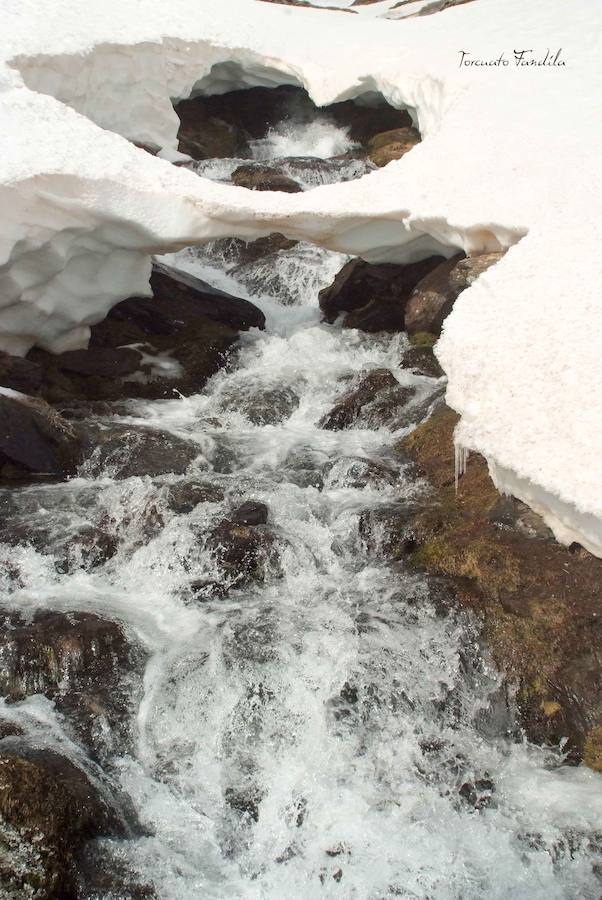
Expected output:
(335, 730)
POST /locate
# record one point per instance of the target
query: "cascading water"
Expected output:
(331, 731)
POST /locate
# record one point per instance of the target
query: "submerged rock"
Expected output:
(267, 406)
(377, 401)
(85, 664)
(257, 177)
(135, 450)
(49, 808)
(185, 496)
(373, 297)
(243, 552)
(35, 437)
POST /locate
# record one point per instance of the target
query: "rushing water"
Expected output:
(363, 728)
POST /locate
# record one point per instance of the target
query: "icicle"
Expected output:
(461, 455)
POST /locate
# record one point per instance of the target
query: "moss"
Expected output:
(423, 339)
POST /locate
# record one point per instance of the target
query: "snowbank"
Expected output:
(509, 152)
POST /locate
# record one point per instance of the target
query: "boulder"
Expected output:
(268, 406)
(49, 808)
(85, 664)
(204, 136)
(388, 531)
(35, 437)
(185, 496)
(358, 472)
(373, 297)
(422, 361)
(264, 178)
(126, 451)
(468, 270)
(376, 401)
(251, 512)
(432, 299)
(20, 374)
(243, 553)
(152, 347)
(390, 145)
(106, 362)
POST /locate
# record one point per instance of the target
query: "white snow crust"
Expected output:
(510, 156)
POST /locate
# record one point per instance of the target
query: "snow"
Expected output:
(510, 156)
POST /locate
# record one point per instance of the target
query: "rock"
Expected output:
(35, 437)
(247, 252)
(390, 145)
(264, 178)
(185, 496)
(251, 512)
(468, 270)
(183, 335)
(358, 472)
(432, 299)
(373, 297)
(268, 406)
(511, 513)
(85, 664)
(20, 374)
(477, 794)
(243, 553)
(126, 451)
(10, 729)
(245, 801)
(89, 548)
(376, 401)
(388, 531)
(422, 361)
(49, 808)
(106, 362)
(203, 136)
(538, 602)
(364, 122)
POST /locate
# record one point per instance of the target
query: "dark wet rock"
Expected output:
(135, 450)
(390, 145)
(373, 297)
(258, 177)
(509, 512)
(420, 355)
(245, 253)
(90, 547)
(478, 793)
(49, 808)
(267, 406)
(186, 297)
(243, 553)
(358, 472)
(432, 299)
(364, 121)
(105, 362)
(388, 531)
(181, 336)
(204, 136)
(251, 512)
(246, 801)
(538, 602)
(377, 400)
(103, 874)
(185, 496)
(85, 664)
(35, 437)
(19, 374)
(10, 729)
(417, 412)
